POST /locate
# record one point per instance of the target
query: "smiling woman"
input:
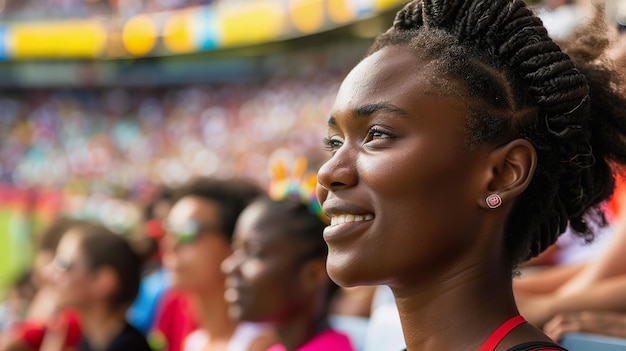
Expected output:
(463, 144)
(277, 274)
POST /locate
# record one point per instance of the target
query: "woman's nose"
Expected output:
(338, 172)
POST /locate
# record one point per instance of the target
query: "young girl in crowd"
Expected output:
(277, 274)
(462, 145)
(97, 273)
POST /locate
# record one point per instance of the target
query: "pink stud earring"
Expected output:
(493, 201)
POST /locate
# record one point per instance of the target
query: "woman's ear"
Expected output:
(512, 167)
(105, 283)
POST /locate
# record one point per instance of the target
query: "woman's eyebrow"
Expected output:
(332, 122)
(378, 107)
(368, 110)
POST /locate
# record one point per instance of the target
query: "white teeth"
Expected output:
(346, 218)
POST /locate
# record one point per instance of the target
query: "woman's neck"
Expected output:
(100, 325)
(455, 314)
(212, 311)
(295, 332)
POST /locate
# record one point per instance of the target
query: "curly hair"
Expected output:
(519, 83)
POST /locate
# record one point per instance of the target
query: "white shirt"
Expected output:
(242, 338)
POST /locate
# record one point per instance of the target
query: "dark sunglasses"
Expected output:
(188, 231)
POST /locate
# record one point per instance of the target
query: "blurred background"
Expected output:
(104, 101)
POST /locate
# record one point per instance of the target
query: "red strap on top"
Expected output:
(502, 331)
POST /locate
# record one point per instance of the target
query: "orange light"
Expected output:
(178, 32)
(307, 15)
(341, 11)
(139, 35)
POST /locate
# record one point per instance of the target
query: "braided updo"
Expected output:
(520, 84)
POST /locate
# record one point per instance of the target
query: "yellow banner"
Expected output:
(73, 38)
(255, 23)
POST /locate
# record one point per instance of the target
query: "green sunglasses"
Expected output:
(189, 230)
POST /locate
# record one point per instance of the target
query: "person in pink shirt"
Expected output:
(277, 274)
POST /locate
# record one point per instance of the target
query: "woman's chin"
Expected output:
(347, 275)
(236, 313)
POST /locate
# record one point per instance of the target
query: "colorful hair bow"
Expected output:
(295, 183)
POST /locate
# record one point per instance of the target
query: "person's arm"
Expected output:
(9, 341)
(610, 264)
(547, 280)
(54, 340)
(596, 322)
(544, 259)
(605, 295)
(44, 305)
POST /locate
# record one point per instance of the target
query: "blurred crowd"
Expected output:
(162, 159)
(180, 284)
(33, 9)
(121, 142)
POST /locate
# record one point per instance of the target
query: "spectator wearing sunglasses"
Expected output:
(199, 228)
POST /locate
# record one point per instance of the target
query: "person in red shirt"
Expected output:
(174, 321)
(61, 329)
(199, 229)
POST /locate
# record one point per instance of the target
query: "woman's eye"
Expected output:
(253, 251)
(256, 254)
(377, 134)
(332, 144)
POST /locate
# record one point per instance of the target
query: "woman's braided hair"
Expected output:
(520, 84)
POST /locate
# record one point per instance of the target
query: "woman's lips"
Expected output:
(344, 226)
(231, 295)
(348, 218)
